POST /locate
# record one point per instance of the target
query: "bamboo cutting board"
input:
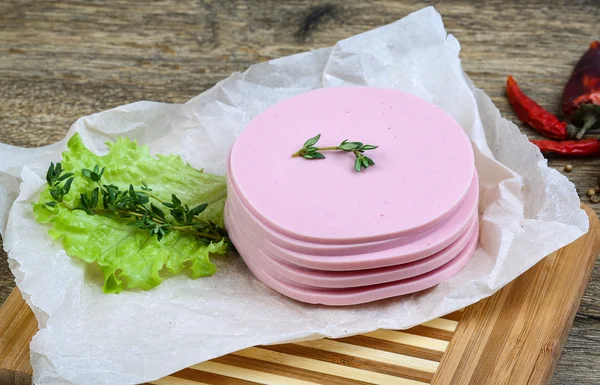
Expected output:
(513, 337)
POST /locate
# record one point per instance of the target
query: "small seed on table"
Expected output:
(594, 199)
(568, 168)
(590, 192)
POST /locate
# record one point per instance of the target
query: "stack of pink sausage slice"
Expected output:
(318, 231)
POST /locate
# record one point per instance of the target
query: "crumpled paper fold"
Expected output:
(527, 211)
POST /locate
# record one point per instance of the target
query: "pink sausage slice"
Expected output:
(424, 166)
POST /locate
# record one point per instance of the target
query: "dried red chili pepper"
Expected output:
(572, 148)
(581, 96)
(533, 114)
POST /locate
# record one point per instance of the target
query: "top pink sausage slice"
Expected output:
(424, 165)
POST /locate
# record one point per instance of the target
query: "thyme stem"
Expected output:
(302, 152)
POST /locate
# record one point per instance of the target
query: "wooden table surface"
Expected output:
(60, 60)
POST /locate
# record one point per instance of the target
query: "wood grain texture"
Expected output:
(60, 60)
(17, 327)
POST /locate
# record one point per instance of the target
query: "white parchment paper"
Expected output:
(527, 210)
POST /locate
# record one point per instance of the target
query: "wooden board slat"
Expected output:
(513, 337)
(17, 327)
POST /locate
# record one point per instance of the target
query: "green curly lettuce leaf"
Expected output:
(129, 257)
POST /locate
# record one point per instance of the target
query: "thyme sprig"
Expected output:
(310, 151)
(133, 204)
(54, 177)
